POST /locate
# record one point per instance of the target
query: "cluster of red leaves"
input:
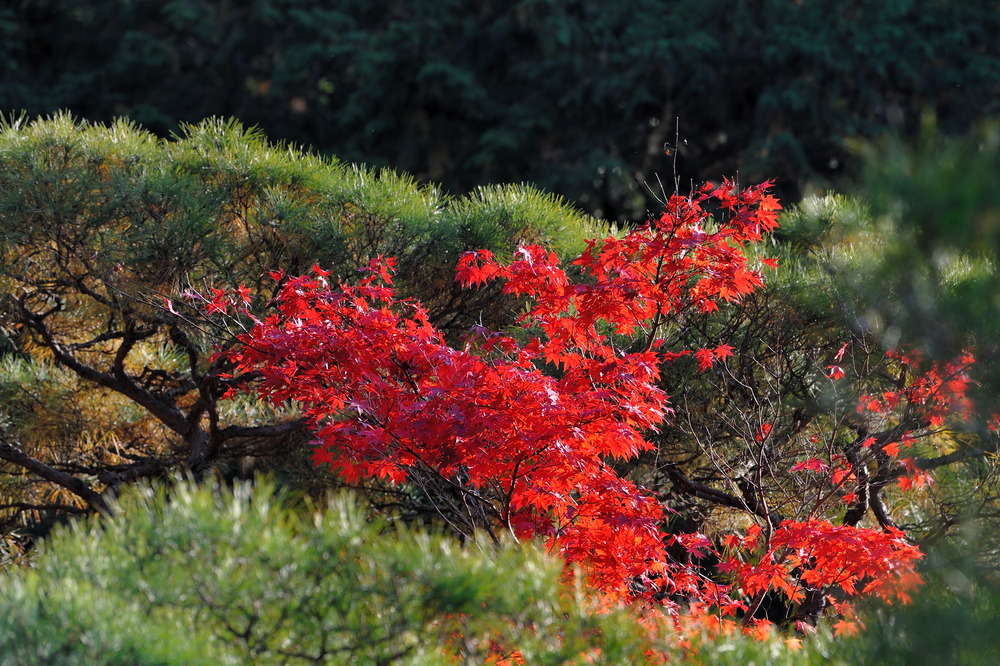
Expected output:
(938, 393)
(817, 555)
(933, 395)
(387, 396)
(685, 258)
(527, 430)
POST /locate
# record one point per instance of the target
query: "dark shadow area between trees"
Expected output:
(580, 98)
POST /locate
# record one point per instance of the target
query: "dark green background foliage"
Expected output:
(579, 97)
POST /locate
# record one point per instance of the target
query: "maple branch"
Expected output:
(509, 495)
(869, 488)
(959, 455)
(880, 510)
(658, 318)
(753, 499)
(857, 510)
(702, 491)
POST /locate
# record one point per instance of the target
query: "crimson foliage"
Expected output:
(525, 428)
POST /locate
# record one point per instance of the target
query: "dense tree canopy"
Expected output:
(578, 97)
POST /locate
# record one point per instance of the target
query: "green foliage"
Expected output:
(220, 204)
(578, 97)
(185, 574)
(920, 268)
(937, 211)
(877, 269)
(105, 227)
(912, 259)
(815, 233)
(491, 216)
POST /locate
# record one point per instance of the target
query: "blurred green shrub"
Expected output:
(189, 575)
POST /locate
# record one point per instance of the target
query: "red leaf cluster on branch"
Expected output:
(525, 431)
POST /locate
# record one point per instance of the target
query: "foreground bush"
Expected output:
(188, 575)
(191, 575)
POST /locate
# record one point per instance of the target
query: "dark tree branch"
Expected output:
(28, 506)
(695, 489)
(118, 380)
(275, 430)
(959, 455)
(145, 469)
(78, 487)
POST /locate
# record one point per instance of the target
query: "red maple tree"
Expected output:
(523, 428)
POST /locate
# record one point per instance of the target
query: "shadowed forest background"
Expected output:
(579, 98)
(148, 149)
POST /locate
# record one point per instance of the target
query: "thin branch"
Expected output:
(118, 381)
(701, 491)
